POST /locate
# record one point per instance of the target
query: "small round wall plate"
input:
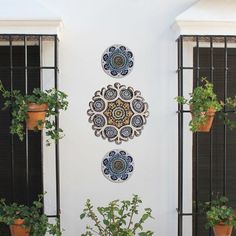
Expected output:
(117, 61)
(117, 165)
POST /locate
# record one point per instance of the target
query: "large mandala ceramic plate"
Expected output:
(117, 113)
(117, 61)
(117, 166)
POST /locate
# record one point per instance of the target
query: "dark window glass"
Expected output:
(212, 150)
(13, 153)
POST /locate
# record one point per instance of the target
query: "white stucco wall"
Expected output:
(89, 27)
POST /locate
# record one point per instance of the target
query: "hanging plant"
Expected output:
(219, 216)
(27, 220)
(203, 104)
(24, 107)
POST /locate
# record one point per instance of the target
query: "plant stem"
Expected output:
(132, 213)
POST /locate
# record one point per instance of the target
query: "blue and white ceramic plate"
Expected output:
(118, 113)
(117, 61)
(117, 165)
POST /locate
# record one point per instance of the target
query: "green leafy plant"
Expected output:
(230, 105)
(218, 212)
(18, 104)
(118, 218)
(201, 100)
(32, 216)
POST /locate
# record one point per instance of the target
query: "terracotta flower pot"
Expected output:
(36, 112)
(223, 230)
(209, 120)
(17, 229)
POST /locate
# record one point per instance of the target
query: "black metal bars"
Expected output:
(225, 96)
(12, 139)
(24, 41)
(180, 139)
(26, 130)
(217, 49)
(57, 125)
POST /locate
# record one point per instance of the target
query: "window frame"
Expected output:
(183, 111)
(40, 38)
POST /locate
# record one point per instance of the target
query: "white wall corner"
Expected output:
(36, 18)
(207, 17)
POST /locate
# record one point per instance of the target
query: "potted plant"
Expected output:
(27, 220)
(203, 105)
(220, 217)
(118, 218)
(25, 108)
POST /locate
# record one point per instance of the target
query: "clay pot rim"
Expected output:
(18, 221)
(211, 109)
(210, 112)
(223, 224)
(37, 107)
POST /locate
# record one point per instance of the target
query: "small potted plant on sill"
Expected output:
(203, 105)
(27, 220)
(220, 217)
(37, 110)
(117, 218)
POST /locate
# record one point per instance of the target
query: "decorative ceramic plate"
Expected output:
(117, 61)
(118, 113)
(117, 165)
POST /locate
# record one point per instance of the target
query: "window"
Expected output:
(213, 154)
(26, 62)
